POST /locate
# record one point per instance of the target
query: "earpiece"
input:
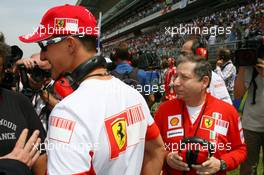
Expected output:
(199, 47)
(69, 82)
(195, 156)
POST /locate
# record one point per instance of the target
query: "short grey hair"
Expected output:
(202, 66)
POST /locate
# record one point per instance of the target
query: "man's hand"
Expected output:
(27, 62)
(260, 67)
(211, 166)
(175, 161)
(23, 151)
(49, 98)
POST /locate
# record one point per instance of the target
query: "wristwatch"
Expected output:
(223, 165)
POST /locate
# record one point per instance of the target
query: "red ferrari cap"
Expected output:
(63, 20)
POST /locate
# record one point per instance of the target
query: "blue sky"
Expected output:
(20, 17)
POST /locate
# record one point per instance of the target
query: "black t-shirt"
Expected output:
(16, 114)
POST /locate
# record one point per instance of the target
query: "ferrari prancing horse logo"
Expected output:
(60, 23)
(208, 122)
(119, 132)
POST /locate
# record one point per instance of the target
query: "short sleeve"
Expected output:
(152, 129)
(69, 145)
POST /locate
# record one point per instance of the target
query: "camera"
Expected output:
(37, 74)
(252, 49)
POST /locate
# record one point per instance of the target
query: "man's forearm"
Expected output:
(50, 99)
(153, 157)
(40, 167)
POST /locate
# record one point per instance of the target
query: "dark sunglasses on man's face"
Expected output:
(44, 44)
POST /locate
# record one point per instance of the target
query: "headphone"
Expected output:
(196, 156)
(69, 82)
(199, 47)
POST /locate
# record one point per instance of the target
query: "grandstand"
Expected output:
(143, 24)
(96, 6)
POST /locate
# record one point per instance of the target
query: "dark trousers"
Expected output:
(254, 141)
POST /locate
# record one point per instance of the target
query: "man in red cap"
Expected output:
(104, 126)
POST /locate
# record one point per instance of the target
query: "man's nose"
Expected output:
(177, 81)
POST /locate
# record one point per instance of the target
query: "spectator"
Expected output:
(43, 100)
(22, 157)
(124, 71)
(168, 80)
(252, 80)
(17, 113)
(226, 70)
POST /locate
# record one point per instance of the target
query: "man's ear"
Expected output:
(205, 81)
(71, 45)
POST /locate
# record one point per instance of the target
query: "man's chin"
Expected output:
(179, 96)
(54, 76)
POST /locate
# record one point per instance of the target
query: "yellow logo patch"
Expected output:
(208, 122)
(60, 23)
(174, 121)
(119, 132)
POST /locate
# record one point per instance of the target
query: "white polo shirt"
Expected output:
(101, 127)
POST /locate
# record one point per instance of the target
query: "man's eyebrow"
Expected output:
(185, 74)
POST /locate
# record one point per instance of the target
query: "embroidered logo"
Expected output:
(119, 132)
(174, 121)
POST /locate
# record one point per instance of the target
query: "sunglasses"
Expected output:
(44, 44)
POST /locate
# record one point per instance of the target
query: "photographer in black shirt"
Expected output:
(249, 85)
(17, 114)
(37, 85)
